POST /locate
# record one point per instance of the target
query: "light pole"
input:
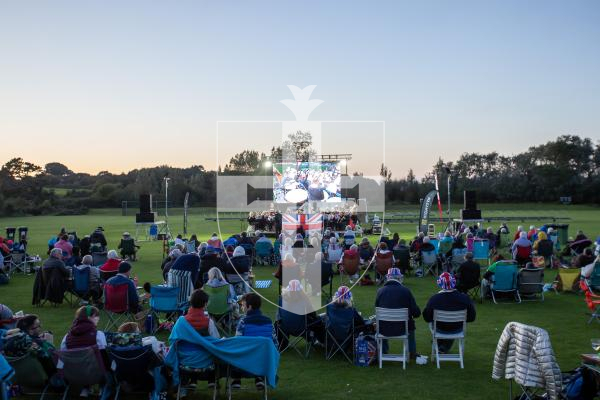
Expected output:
(267, 165)
(448, 171)
(166, 180)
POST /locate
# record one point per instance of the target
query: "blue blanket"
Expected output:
(254, 355)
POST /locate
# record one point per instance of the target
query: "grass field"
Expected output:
(562, 315)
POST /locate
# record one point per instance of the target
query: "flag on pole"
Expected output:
(437, 189)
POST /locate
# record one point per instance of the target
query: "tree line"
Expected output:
(566, 166)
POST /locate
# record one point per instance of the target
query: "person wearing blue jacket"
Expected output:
(254, 323)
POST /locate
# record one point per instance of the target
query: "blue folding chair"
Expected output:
(481, 250)
(339, 332)
(293, 328)
(436, 244)
(164, 299)
(81, 283)
(505, 280)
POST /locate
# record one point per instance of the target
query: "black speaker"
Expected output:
(145, 217)
(145, 203)
(470, 214)
(470, 197)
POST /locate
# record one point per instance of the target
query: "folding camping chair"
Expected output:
(339, 332)
(402, 257)
(349, 267)
(566, 280)
(327, 278)
(81, 368)
(129, 249)
(182, 280)
(132, 366)
(429, 260)
(264, 252)
(458, 257)
(164, 299)
(219, 308)
(29, 374)
(81, 283)
(448, 316)
(294, 328)
(17, 262)
(591, 300)
(531, 283)
(383, 262)
(398, 315)
(190, 247)
(116, 306)
(546, 250)
(505, 280)
(481, 250)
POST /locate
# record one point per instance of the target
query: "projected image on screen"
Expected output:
(299, 182)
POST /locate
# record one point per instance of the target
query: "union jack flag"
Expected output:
(310, 223)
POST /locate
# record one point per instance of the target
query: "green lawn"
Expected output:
(562, 315)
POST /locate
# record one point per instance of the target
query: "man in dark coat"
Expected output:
(54, 277)
(468, 274)
(448, 299)
(395, 295)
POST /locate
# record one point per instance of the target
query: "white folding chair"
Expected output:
(448, 316)
(391, 315)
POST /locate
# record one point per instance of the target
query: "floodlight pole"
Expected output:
(166, 179)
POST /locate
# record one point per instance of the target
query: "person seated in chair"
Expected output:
(198, 318)
(56, 276)
(95, 283)
(342, 299)
(349, 237)
(415, 245)
(128, 247)
(583, 259)
(36, 341)
(237, 270)
(395, 295)
(521, 249)
(169, 261)
(191, 263)
(216, 280)
(365, 251)
(98, 240)
(448, 299)
(65, 246)
(210, 259)
(403, 253)
(254, 323)
(468, 274)
(123, 278)
(111, 266)
(294, 300)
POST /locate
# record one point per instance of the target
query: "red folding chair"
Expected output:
(116, 305)
(591, 300)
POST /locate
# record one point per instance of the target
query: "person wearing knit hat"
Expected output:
(338, 314)
(123, 278)
(393, 294)
(448, 299)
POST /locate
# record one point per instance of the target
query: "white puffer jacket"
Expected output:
(524, 353)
